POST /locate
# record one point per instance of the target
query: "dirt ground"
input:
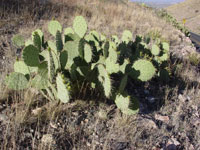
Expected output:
(169, 116)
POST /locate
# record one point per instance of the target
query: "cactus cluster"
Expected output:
(77, 58)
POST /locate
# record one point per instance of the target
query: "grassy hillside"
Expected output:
(169, 111)
(189, 10)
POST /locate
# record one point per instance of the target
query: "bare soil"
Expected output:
(169, 116)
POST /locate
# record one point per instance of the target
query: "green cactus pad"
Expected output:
(127, 36)
(123, 83)
(31, 56)
(63, 59)
(128, 105)
(40, 81)
(113, 54)
(37, 41)
(28, 42)
(72, 50)
(40, 33)
(103, 37)
(81, 48)
(111, 67)
(54, 26)
(16, 81)
(80, 26)
(115, 39)
(51, 66)
(18, 40)
(68, 31)
(144, 69)
(87, 53)
(62, 92)
(59, 43)
(105, 80)
(165, 46)
(155, 50)
(164, 57)
(122, 67)
(95, 34)
(106, 49)
(52, 45)
(21, 67)
(72, 37)
(91, 39)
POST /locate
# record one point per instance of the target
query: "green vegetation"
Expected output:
(174, 22)
(79, 61)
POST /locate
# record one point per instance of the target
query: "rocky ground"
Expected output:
(169, 116)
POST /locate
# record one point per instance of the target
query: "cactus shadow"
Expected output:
(153, 95)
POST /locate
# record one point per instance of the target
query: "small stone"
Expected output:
(191, 147)
(53, 125)
(173, 141)
(36, 111)
(182, 98)
(188, 98)
(88, 144)
(162, 118)
(3, 118)
(47, 139)
(75, 113)
(86, 120)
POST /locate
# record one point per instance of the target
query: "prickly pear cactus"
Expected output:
(59, 43)
(21, 67)
(127, 36)
(18, 40)
(155, 50)
(143, 70)
(16, 81)
(54, 26)
(127, 104)
(62, 92)
(87, 53)
(80, 26)
(105, 80)
(68, 31)
(80, 60)
(37, 41)
(31, 56)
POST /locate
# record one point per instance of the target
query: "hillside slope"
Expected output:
(169, 115)
(189, 10)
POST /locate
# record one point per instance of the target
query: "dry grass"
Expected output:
(189, 10)
(30, 110)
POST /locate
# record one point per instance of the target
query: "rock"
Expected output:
(3, 118)
(36, 111)
(47, 139)
(162, 118)
(53, 125)
(182, 98)
(172, 144)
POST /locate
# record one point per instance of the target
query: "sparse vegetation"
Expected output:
(151, 71)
